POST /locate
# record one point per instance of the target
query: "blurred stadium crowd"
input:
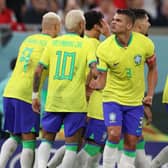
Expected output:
(25, 15)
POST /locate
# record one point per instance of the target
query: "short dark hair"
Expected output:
(139, 13)
(92, 17)
(128, 13)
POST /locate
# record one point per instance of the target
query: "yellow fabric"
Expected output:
(95, 109)
(20, 85)
(67, 57)
(165, 92)
(125, 80)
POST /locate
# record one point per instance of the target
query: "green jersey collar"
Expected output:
(72, 34)
(129, 41)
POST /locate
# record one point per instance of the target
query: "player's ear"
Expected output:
(140, 27)
(58, 28)
(130, 26)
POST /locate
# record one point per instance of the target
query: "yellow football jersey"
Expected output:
(67, 58)
(95, 109)
(20, 85)
(165, 92)
(125, 65)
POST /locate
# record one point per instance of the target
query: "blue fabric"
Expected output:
(128, 117)
(96, 131)
(19, 117)
(52, 122)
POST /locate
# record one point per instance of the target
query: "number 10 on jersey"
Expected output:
(65, 65)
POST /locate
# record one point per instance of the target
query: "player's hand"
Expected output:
(148, 114)
(105, 29)
(147, 100)
(36, 105)
(93, 84)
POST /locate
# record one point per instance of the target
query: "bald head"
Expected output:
(51, 23)
(75, 21)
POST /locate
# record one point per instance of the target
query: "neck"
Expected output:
(92, 34)
(124, 39)
(74, 31)
(45, 32)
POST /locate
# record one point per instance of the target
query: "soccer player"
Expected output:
(142, 25)
(66, 58)
(121, 59)
(165, 94)
(96, 133)
(20, 120)
(161, 158)
(95, 26)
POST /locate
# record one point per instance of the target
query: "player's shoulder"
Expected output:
(141, 38)
(107, 42)
(37, 38)
(54, 40)
(34, 36)
(67, 37)
(92, 39)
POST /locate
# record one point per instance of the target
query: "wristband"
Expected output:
(35, 95)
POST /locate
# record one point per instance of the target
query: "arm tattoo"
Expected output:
(37, 78)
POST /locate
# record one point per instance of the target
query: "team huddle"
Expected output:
(96, 89)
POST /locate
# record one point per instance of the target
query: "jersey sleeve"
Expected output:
(150, 48)
(101, 59)
(45, 58)
(91, 56)
(165, 92)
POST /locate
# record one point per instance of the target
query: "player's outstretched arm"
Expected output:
(36, 84)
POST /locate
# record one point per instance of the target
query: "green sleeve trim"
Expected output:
(130, 153)
(92, 150)
(90, 62)
(16, 138)
(140, 144)
(111, 144)
(119, 44)
(45, 66)
(29, 144)
(102, 69)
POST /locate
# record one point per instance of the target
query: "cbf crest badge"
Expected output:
(138, 59)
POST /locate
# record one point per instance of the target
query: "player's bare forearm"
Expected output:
(148, 114)
(37, 77)
(152, 79)
(93, 71)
